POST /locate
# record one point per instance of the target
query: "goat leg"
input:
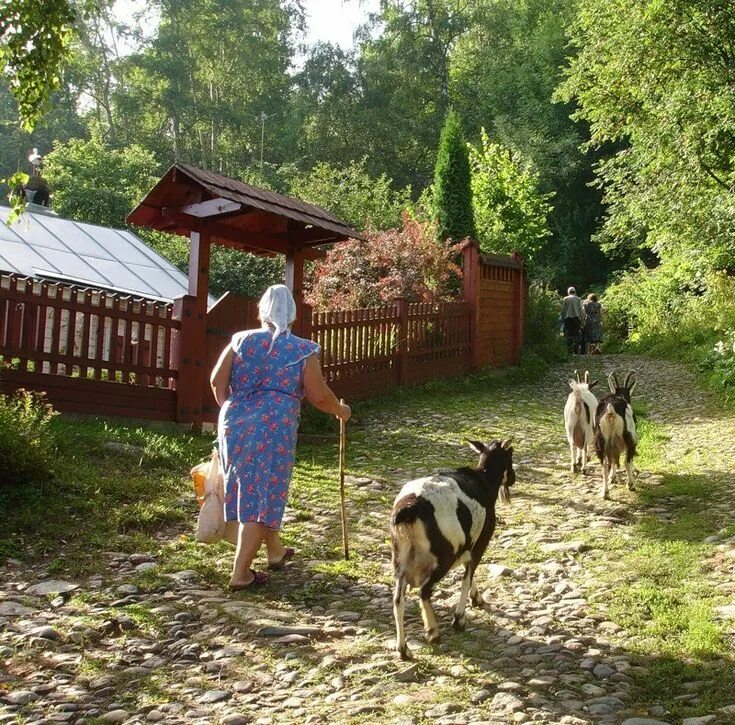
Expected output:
(431, 627)
(629, 471)
(399, 606)
(459, 621)
(605, 476)
(475, 597)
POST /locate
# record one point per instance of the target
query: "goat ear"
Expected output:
(477, 446)
(592, 385)
(507, 444)
(572, 384)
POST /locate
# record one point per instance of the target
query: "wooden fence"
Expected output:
(366, 352)
(91, 351)
(108, 354)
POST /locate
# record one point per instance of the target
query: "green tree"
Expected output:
(93, 182)
(504, 71)
(34, 41)
(352, 195)
(654, 81)
(511, 213)
(452, 195)
(198, 91)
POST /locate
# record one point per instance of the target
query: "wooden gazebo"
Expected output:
(213, 209)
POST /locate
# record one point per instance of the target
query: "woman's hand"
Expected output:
(344, 413)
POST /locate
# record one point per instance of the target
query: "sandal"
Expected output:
(259, 578)
(288, 554)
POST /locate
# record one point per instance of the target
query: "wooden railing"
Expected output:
(62, 329)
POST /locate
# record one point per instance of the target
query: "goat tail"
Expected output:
(402, 530)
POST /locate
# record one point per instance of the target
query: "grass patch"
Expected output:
(662, 596)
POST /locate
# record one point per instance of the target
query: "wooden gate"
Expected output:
(227, 316)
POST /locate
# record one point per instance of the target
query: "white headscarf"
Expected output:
(277, 309)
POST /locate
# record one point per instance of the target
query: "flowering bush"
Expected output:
(406, 262)
(722, 365)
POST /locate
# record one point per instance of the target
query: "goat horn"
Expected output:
(507, 443)
(576, 375)
(586, 376)
(628, 377)
(612, 381)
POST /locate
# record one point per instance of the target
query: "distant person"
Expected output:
(572, 313)
(593, 326)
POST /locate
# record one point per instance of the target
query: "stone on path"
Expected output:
(497, 570)
(213, 696)
(702, 720)
(21, 697)
(408, 674)
(506, 702)
(236, 719)
(9, 608)
(115, 716)
(283, 631)
(558, 546)
(45, 632)
(52, 586)
(726, 612)
(644, 721)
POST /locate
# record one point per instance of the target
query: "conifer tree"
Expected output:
(452, 200)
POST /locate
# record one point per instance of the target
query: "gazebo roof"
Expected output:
(236, 214)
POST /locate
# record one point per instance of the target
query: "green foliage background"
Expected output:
(603, 133)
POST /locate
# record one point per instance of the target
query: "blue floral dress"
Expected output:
(258, 424)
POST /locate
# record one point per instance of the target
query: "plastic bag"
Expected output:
(198, 477)
(211, 521)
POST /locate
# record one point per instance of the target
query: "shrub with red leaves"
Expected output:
(406, 262)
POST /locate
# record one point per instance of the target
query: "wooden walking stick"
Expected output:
(345, 548)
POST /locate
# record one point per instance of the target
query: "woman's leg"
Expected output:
(250, 538)
(273, 543)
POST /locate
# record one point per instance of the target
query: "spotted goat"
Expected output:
(615, 433)
(579, 420)
(443, 521)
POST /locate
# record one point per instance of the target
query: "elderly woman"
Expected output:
(259, 382)
(593, 311)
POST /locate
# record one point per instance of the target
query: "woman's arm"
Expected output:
(319, 394)
(220, 378)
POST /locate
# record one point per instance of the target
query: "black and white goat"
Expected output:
(442, 521)
(615, 433)
(579, 421)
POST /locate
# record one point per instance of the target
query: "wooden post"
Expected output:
(188, 360)
(294, 280)
(401, 305)
(191, 345)
(304, 320)
(471, 290)
(519, 308)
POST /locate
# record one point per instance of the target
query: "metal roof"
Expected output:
(183, 184)
(43, 245)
